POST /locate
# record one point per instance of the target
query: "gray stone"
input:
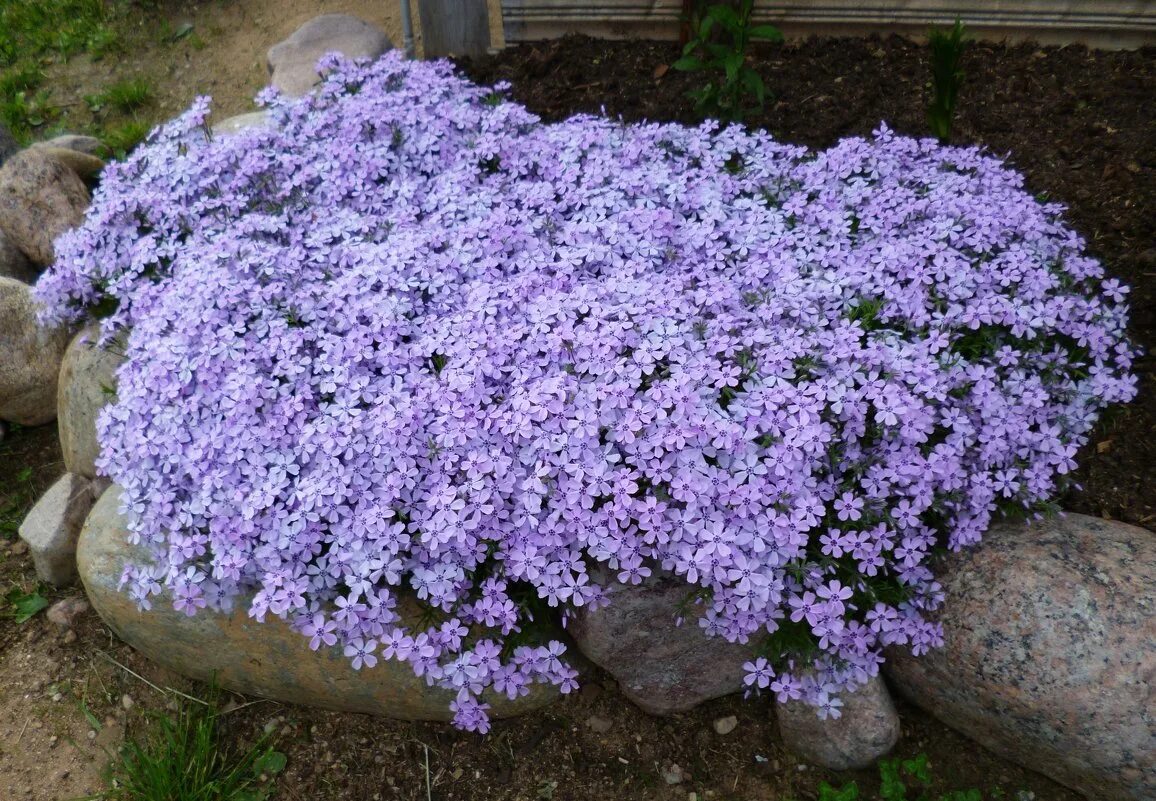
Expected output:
(14, 264)
(662, 667)
(866, 730)
(725, 726)
(241, 122)
(259, 658)
(599, 725)
(52, 528)
(41, 197)
(293, 62)
(87, 380)
(65, 612)
(1050, 654)
(29, 359)
(81, 144)
(86, 165)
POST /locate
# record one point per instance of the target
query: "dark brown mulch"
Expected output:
(1080, 124)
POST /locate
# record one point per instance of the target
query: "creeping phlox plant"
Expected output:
(411, 347)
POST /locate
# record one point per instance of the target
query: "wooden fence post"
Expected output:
(457, 27)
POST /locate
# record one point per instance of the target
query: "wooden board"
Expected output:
(1097, 23)
(454, 27)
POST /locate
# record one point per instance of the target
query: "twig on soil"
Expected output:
(160, 690)
(25, 726)
(242, 706)
(428, 788)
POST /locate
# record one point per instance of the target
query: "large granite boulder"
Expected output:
(661, 666)
(865, 731)
(87, 383)
(267, 659)
(81, 144)
(86, 165)
(14, 264)
(293, 62)
(1050, 655)
(30, 358)
(41, 197)
(52, 528)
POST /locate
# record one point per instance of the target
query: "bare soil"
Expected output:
(1078, 123)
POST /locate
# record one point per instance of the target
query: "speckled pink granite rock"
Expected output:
(662, 667)
(1050, 656)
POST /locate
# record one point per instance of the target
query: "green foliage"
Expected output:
(946, 78)
(184, 758)
(35, 34)
(718, 50)
(894, 777)
(23, 606)
(15, 503)
(122, 138)
(30, 28)
(123, 96)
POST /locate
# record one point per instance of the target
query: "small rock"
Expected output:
(242, 122)
(87, 384)
(30, 358)
(65, 612)
(14, 264)
(52, 529)
(126, 702)
(599, 725)
(662, 667)
(18, 548)
(726, 725)
(1050, 652)
(57, 697)
(293, 62)
(41, 197)
(673, 775)
(81, 144)
(69, 637)
(85, 165)
(867, 729)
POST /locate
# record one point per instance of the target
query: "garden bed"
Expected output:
(1099, 159)
(1076, 122)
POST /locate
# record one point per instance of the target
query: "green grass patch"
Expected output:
(18, 498)
(38, 36)
(184, 757)
(123, 96)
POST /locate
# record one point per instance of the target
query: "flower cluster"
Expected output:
(409, 366)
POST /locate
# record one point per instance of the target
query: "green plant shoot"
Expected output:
(718, 49)
(946, 78)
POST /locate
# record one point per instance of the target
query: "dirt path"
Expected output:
(226, 57)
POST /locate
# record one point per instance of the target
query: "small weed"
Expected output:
(946, 78)
(23, 606)
(22, 112)
(895, 776)
(125, 96)
(21, 494)
(122, 138)
(184, 758)
(718, 49)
